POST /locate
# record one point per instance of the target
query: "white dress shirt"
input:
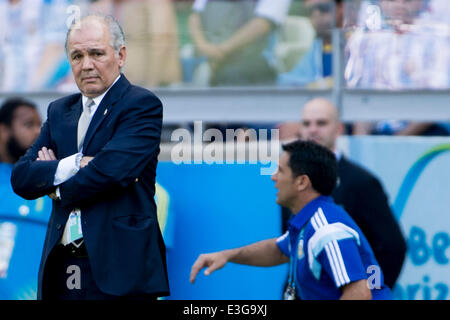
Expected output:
(68, 167)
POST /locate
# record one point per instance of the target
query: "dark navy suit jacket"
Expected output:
(363, 197)
(115, 191)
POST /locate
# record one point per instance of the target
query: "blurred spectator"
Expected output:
(315, 68)
(399, 12)
(152, 41)
(20, 125)
(32, 44)
(237, 39)
(438, 12)
(150, 28)
(394, 48)
(22, 223)
(289, 131)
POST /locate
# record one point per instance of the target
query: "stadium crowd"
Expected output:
(286, 43)
(235, 43)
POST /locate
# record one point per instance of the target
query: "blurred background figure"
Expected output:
(357, 190)
(20, 125)
(315, 68)
(237, 39)
(397, 52)
(32, 45)
(151, 32)
(22, 222)
(289, 131)
(153, 50)
(438, 12)
(400, 51)
(400, 12)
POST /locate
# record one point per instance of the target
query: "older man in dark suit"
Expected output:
(96, 156)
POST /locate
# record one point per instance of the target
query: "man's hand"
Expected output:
(262, 253)
(46, 155)
(213, 52)
(213, 261)
(84, 161)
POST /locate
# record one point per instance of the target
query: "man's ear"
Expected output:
(302, 182)
(341, 129)
(122, 56)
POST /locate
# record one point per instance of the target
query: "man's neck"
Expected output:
(5, 157)
(303, 201)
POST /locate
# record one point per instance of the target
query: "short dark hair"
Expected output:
(315, 161)
(9, 106)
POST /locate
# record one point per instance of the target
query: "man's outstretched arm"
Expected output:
(357, 290)
(263, 253)
(253, 30)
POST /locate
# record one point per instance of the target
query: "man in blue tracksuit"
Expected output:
(329, 256)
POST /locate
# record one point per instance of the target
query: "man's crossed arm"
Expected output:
(46, 154)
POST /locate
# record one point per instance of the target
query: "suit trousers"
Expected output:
(69, 277)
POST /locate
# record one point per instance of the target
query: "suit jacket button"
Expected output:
(58, 226)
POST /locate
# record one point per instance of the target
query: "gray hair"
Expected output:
(115, 30)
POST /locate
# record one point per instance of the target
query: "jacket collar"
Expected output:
(305, 214)
(112, 96)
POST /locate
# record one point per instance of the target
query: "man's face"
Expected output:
(321, 13)
(403, 11)
(320, 123)
(24, 130)
(284, 182)
(94, 63)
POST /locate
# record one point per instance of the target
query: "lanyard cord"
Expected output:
(292, 279)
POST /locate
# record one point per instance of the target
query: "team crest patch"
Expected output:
(300, 252)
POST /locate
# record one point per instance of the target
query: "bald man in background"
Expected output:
(357, 190)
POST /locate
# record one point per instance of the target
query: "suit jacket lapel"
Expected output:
(70, 127)
(114, 94)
